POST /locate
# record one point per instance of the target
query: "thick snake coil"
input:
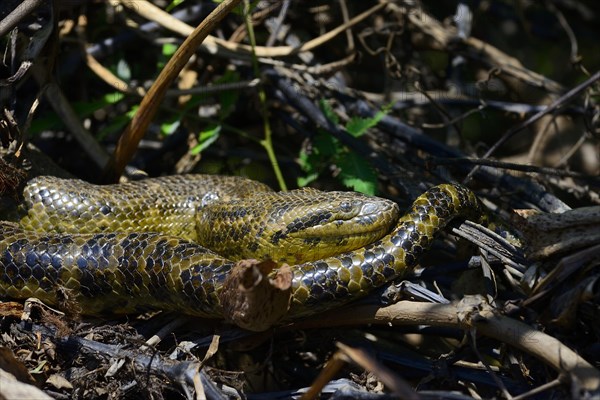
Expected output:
(120, 272)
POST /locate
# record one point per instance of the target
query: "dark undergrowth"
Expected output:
(385, 98)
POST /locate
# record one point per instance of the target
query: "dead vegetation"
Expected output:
(379, 96)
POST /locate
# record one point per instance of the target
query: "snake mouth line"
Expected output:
(362, 237)
(371, 225)
(349, 234)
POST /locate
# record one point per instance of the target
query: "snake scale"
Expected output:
(116, 270)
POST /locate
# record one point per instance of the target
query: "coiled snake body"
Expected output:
(125, 272)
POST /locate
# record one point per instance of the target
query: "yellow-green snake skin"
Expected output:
(125, 272)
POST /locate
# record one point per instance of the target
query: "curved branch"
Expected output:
(471, 313)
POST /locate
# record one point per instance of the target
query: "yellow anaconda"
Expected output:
(126, 272)
(233, 216)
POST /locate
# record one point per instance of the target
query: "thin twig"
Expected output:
(487, 322)
(128, 142)
(551, 108)
(267, 142)
(434, 161)
(224, 48)
(278, 23)
(25, 8)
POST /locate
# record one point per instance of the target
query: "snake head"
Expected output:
(296, 226)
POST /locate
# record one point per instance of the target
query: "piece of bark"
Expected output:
(550, 234)
(252, 299)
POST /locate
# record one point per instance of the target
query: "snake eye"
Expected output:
(346, 206)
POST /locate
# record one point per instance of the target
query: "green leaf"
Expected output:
(173, 4)
(168, 49)
(328, 111)
(325, 146)
(310, 164)
(356, 173)
(113, 98)
(359, 126)
(228, 98)
(303, 181)
(131, 113)
(206, 138)
(324, 150)
(170, 126)
(304, 160)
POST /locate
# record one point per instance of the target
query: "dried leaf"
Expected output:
(253, 300)
(59, 382)
(11, 309)
(10, 364)
(10, 388)
(564, 307)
